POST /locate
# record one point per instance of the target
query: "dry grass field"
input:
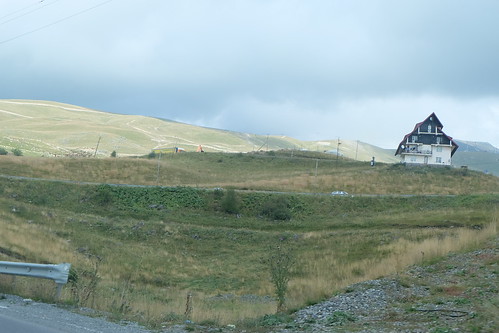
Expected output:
(277, 171)
(137, 252)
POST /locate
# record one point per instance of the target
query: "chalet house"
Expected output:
(427, 144)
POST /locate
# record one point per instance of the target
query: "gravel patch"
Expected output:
(457, 294)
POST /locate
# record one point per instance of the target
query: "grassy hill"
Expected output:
(289, 171)
(486, 162)
(42, 128)
(468, 146)
(209, 225)
(138, 251)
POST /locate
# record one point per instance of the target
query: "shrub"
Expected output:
(104, 195)
(277, 208)
(3, 151)
(218, 193)
(17, 152)
(151, 155)
(230, 202)
(113, 154)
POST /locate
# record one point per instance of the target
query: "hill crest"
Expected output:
(44, 128)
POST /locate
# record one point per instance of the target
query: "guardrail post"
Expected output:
(58, 291)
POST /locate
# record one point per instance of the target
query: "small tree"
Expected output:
(230, 202)
(113, 154)
(280, 262)
(17, 152)
(3, 151)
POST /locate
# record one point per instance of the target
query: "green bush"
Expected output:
(3, 151)
(230, 202)
(277, 208)
(17, 152)
(104, 195)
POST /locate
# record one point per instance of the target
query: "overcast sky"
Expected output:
(309, 69)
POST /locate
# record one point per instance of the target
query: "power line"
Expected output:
(55, 22)
(27, 13)
(20, 10)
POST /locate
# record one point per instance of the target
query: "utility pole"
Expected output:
(356, 150)
(157, 172)
(95, 153)
(338, 149)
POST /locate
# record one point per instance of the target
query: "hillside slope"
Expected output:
(476, 147)
(43, 128)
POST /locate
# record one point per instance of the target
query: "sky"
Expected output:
(365, 70)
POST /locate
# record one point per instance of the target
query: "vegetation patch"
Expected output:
(138, 251)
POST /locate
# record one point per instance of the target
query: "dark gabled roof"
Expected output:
(418, 125)
(433, 116)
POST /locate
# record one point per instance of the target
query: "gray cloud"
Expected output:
(313, 69)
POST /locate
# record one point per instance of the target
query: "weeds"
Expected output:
(275, 319)
(339, 318)
(280, 263)
(83, 284)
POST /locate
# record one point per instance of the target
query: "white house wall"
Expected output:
(436, 157)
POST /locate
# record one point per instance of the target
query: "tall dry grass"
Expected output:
(326, 273)
(241, 171)
(28, 238)
(319, 273)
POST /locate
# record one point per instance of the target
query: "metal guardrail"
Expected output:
(58, 273)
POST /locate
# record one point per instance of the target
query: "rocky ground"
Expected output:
(456, 294)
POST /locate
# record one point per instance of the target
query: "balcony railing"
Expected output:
(410, 151)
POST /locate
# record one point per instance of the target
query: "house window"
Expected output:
(439, 149)
(429, 128)
(439, 140)
(438, 159)
(414, 138)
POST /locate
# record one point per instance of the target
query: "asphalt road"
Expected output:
(13, 325)
(27, 316)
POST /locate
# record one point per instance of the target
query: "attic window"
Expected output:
(429, 128)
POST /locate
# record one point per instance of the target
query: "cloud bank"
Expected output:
(313, 70)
